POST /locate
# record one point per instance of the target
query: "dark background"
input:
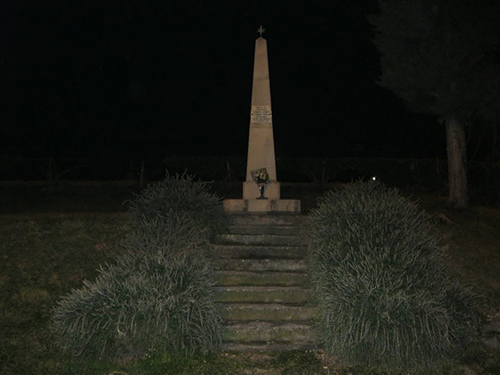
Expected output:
(137, 80)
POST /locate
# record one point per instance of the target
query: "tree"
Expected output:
(442, 57)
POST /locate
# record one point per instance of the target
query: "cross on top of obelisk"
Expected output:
(261, 30)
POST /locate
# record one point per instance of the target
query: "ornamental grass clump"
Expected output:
(175, 200)
(154, 301)
(159, 294)
(384, 295)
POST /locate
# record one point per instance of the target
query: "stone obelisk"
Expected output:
(261, 140)
(261, 144)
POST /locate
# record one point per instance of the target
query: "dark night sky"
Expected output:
(148, 79)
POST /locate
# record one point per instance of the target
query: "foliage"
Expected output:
(177, 234)
(175, 201)
(147, 300)
(384, 295)
(441, 56)
(159, 293)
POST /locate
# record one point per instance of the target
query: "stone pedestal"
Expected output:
(261, 145)
(262, 205)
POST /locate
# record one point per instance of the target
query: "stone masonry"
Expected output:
(263, 285)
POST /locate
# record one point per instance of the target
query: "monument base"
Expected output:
(262, 205)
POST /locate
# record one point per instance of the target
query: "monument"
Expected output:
(261, 190)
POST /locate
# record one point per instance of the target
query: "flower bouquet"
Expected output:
(261, 178)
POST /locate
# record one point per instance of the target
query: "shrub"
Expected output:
(159, 294)
(178, 197)
(384, 295)
(153, 301)
(178, 234)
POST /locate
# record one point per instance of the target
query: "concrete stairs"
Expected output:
(262, 284)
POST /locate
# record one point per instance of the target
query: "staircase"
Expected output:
(262, 284)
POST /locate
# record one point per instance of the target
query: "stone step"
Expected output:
(260, 279)
(262, 294)
(267, 332)
(259, 251)
(260, 239)
(264, 347)
(259, 265)
(265, 229)
(265, 219)
(266, 312)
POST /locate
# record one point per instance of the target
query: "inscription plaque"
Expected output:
(261, 114)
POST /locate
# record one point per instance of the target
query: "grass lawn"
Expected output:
(50, 242)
